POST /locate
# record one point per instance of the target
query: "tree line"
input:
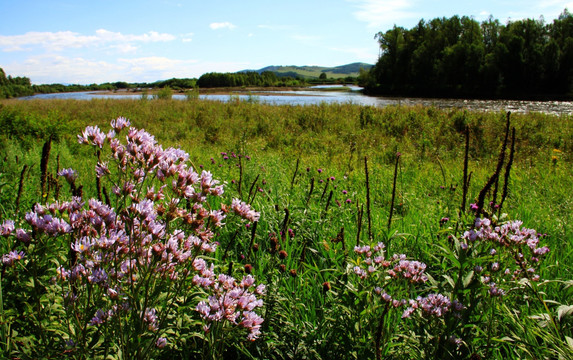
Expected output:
(247, 78)
(461, 57)
(14, 86)
(11, 87)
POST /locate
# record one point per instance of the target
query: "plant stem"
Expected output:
(368, 199)
(393, 191)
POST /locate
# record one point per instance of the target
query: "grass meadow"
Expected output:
(343, 231)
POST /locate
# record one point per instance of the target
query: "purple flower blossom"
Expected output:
(12, 257)
(99, 318)
(495, 291)
(6, 228)
(120, 123)
(69, 174)
(435, 305)
(92, 135)
(244, 210)
(150, 318)
(23, 236)
(161, 342)
(101, 169)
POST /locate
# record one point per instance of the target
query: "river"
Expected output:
(326, 94)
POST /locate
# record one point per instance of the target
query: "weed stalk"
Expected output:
(295, 174)
(465, 174)
(494, 177)
(359, 225)
(368, 199)
(20, 188)
(393, 190)
(310, 191)
(507, 170)
(44, 167)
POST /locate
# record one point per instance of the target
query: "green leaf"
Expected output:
(569, 341)
(468, 279)
(450, 280)
(564, 310)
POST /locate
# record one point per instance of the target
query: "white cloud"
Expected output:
(151, 36)
(58, 41)
(53, 68)
(155, 63)
(187, 37)
(383, 13)
(222, 25)
(46, 69)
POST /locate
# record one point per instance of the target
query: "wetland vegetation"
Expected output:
(333, 229)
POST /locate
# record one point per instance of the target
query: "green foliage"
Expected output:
(249, 78)
(14, 87)
(317, 307)
(461, 57)
(164, 94)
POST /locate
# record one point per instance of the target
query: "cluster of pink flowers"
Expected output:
(522, 245)
(231, 300)
(244, 210)
(409, 272)
(397, 267)
(436, 305)
(152, 232)
(510, 234)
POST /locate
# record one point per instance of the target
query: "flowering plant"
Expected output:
(134, 255)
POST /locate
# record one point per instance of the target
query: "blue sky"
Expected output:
(96, 41)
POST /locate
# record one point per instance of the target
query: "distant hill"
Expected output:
(313, 72)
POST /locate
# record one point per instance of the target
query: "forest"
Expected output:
(14, 86)
(249, 78)
(461, 57)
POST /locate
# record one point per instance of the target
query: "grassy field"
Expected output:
(327, 180)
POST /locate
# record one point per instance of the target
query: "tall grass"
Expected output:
(303, 169)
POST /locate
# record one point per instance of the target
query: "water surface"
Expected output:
(325, 94)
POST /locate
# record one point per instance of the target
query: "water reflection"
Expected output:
(325, 94)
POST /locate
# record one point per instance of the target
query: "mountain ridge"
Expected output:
(314, 71)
